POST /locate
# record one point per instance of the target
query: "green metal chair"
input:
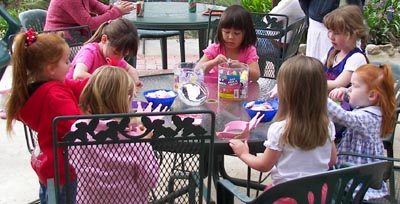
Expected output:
(273, 46)
(13, 27)
(183, 150)
(341, 186)
(393, 178)
(212, 25)
(33, 18)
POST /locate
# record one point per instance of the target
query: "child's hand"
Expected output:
(139, 83)
(220, 59)
(238, 147)
(338, 94)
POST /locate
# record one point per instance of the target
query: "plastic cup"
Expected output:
(185, 72)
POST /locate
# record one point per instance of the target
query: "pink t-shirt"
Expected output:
(91, 56)
(247, 56)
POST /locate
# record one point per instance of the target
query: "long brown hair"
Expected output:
(302, 91)
(28, 63)
(348, 20)
(380, 79)
(121, 34)
(109, 90)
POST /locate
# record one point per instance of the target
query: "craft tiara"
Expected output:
(30, 37)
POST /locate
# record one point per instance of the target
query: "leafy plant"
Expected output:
(263, 6)
(383, 19)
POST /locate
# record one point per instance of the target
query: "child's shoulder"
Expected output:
(91, 46)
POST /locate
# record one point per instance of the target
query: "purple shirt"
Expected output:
(91, 55)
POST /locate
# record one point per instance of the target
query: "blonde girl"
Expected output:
(346, 28)
(111, 90)
(372, 97)
(113, 41)
(235, 40)
(40, 93)
(300, 141)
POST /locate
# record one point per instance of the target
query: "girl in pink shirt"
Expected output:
(113, 41)
(235, 40)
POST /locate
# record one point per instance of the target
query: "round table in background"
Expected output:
(175, 16)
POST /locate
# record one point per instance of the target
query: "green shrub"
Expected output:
(383, 19)
(263, 6)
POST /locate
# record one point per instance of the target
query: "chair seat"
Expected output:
(156, 33)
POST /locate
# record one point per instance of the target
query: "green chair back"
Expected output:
(13, 27)
(182, 151)
(33, 18)
(341, 186)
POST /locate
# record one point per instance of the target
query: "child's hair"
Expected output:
(29, 59)
(348, 20)
(302, 91)
(238, 18)
(121, 35)
(380, 80)
(109, 90)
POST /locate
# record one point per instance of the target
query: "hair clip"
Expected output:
(109, 21)
(30, 37)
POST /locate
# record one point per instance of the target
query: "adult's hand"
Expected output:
(125, 6)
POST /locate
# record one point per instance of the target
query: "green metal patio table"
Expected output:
(175, 16)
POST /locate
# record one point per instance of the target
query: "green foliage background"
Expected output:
(383, 29)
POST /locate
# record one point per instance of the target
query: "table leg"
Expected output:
(202, 41)
(182, 45)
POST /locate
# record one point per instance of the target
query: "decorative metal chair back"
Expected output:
(114, 165)
(33, 18)
(271, 42)
(75, 37)
(213, 25)
(392, 178)
(297, 30)
(340, 184)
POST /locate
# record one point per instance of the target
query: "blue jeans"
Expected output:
(43, 195)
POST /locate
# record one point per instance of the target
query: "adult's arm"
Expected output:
(76, 12)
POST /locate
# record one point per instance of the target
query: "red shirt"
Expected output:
(50, 100)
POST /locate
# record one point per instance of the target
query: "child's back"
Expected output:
(119, 169)
(300, 141)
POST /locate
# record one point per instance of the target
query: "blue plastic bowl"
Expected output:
(166, 102)
(268, 114)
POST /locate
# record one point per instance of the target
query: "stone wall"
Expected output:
(383, 53)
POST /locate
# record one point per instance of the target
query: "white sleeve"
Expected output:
(274, 135)
(355, 61)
